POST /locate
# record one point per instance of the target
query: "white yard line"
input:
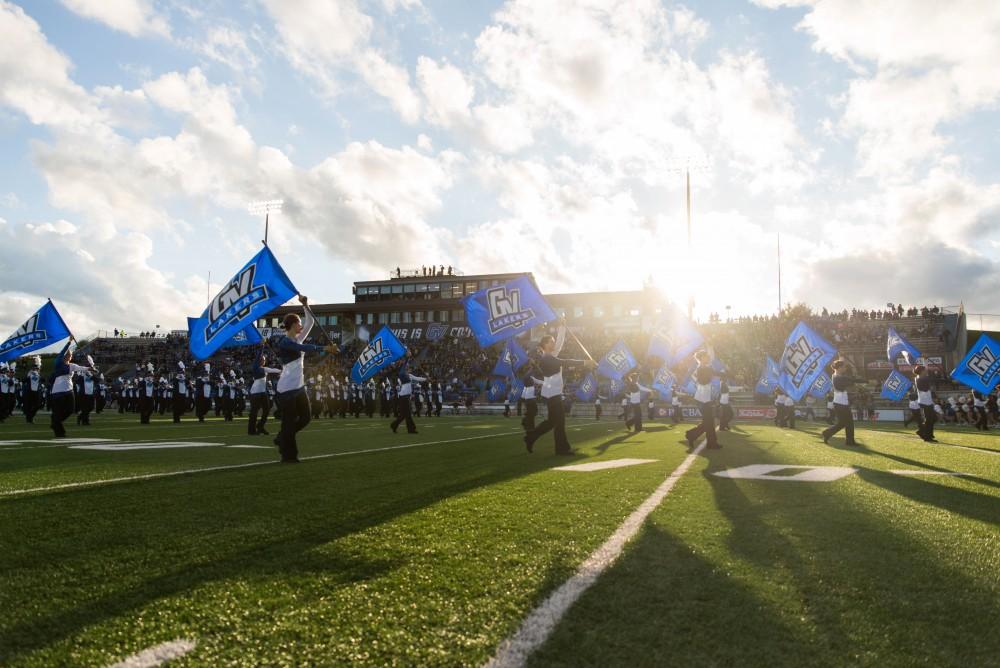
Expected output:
(157, 655)
(541, 622)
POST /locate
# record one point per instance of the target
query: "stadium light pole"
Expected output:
(266, 207)
(779, 273)
(690, 164)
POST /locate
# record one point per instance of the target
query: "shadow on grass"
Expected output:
(100, 553)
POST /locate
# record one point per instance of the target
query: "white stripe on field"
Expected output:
(157, 655)
(541, 622)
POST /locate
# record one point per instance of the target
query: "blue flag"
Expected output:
(616, 362)
(896, 345)
(895, 386)
(674, 339)
(259, 287)
(822, 386)
(805, 357)
(41, 330)
(512, 358)
(382, 350)
(249, 336)
(506, 311)
(980, 369)
(516, 388)
(615, 387)
(769, 379)
(663, 382)
(588, 388)
(496, 390)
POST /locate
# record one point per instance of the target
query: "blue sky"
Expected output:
(498, 136)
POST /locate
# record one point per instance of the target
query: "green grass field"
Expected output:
(393, 549)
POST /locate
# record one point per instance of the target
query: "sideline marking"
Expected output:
(157, 655)
(920, 472)
(143, 445)
(539, 624)
(607, 464)
(57, 441)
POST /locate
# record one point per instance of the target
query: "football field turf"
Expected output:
(431, 549)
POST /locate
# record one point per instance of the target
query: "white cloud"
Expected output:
(135, 17)
(326, 39)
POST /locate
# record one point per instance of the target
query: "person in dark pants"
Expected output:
(675, 409)
(725, 409)
(551, 366)
(405, 414)
(633, 392)
(61, 401)
(260, 402)
(32, 390)
(703, 376)
(292, 397)
(179, 392)
(598, 410)
(147, 396)
(925, 399)
(203, 394)
(979, 409)
(914, 416)
(528, 396)
(841, 404)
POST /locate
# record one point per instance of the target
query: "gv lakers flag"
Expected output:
(822, 386)
(616, 362)
(980, 369)
(382, 350)
(769, 379)
(512, 358)
(588, 388)
(674, 339)
(615, 387)
(896, 386)
(505, 311)
(260, 286)
(805, 358)
(896, 345)
(516, 388)
(41, 330)
(249, 336)
(663, 382)
(496, 390)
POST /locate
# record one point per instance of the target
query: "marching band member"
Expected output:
(841, 404)
(597, 408)
(925, 399)
(914, 415)
(703, 376)
(675, 409)
(147, 395)
(203, 390)
(979, 406)
(260, 403)
(529, 381)
(61, 395)
(87, 396)
(406, 380)
(179, 392)
(551, 366)
(633, 391)
(292, 397)
(725, 410)
(32, 390)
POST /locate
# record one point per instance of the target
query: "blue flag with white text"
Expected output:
(617, 362)
(896, 345)
(615, 387)
(256, 289)
(496, 390)
(512, 358)
(663, 382)
(806, 356)
(822, 386)
(980, 369)
(248, 336)
(769, 379)
(516, 389)
(588, 388)
(896, 386)
(382, 350)
(674, 339)
(505, 311)
(44, 328)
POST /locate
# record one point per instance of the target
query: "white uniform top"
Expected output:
(914, 405)
(552, 386)
(634, 397)
(63, 383)
(88, 385)
(259, 385)
(924, 398)
(34, 378)
(529, 389)
(293, 374)
(938, 409)
(406, 389)
(980, 403)
(724, 398)
(789, 401)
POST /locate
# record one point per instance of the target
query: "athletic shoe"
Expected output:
(529, 444)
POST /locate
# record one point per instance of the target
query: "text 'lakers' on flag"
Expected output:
(256, 289)
(505, 311)
(980, 368)
(44, 328)
(896, 386)
(805, 357)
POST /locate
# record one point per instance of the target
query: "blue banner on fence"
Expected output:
(896, 345)
(506, 311)
(382, 350)
(896, 386)
(616, 362)
(805, 357)
(256, 289)
(41, 330)
(588, 388)
(980, 369)
(512, 358)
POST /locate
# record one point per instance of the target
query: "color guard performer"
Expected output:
(703, 375)
(841, 404)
